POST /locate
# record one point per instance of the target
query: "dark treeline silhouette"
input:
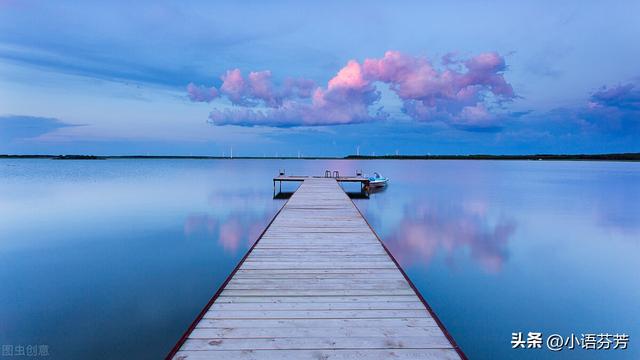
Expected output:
(617, 157)
(603, 157)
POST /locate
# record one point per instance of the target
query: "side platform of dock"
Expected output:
(318, 284)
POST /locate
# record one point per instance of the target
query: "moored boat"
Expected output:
(377, 180)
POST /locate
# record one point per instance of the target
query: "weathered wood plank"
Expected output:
(334, 272)
(307, 292)
(312, 282)
(374, 342)
(322, 332)
(315, 314)
(315, 299)
(362, 305)
(318, 271)
(364, 354)
(319, 258)
(316, 323)
(318, 265)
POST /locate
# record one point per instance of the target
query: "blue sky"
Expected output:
(319, 78)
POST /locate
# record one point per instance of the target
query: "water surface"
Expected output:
(504, 246)
(113, 259)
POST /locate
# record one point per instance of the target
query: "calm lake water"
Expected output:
(114, 259)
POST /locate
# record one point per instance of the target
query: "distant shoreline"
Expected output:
(576, 157)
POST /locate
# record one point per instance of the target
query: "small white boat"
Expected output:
(377, 180)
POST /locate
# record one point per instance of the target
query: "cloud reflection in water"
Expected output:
(234, 222)
(426, 230)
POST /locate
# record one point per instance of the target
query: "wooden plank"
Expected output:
(375, 342)
(318, 271)
(316, 323)
(308, 292)
(317, 285)
(315, 299)
(275, 252)
(313, 282)
(318, 265)
(346, 354)
(334, 272)
(362, 305)
(319, 258)
(258, 274)
(322, 332)
(313, 287)
(315, 314)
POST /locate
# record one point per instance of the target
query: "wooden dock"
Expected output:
(363, 181)
(318, 284)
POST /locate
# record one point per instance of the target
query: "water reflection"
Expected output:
(233, 232)
(547, 246)
(613, 214)
(234, 220)
(428, 229)
(516, 245)
(377, 190)
(146, 242)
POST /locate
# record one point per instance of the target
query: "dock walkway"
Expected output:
(317, 285)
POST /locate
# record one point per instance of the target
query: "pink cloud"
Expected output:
(257, 89)
(486, 70)
(233, 86)
(455, 97)
(201, 93)
(409, 77)
(346, 100)
(340, 105)
(349, 77)
(460, 93)
(476, 117)
(260, 87)
(298, 87)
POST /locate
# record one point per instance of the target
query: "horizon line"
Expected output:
(626, 156)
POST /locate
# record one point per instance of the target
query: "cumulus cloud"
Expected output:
(621, 96)
(257, 89)
(609, 115)
(200, 93)
(457, 97)
(613, 109)
(233, 86)
(460, 93)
